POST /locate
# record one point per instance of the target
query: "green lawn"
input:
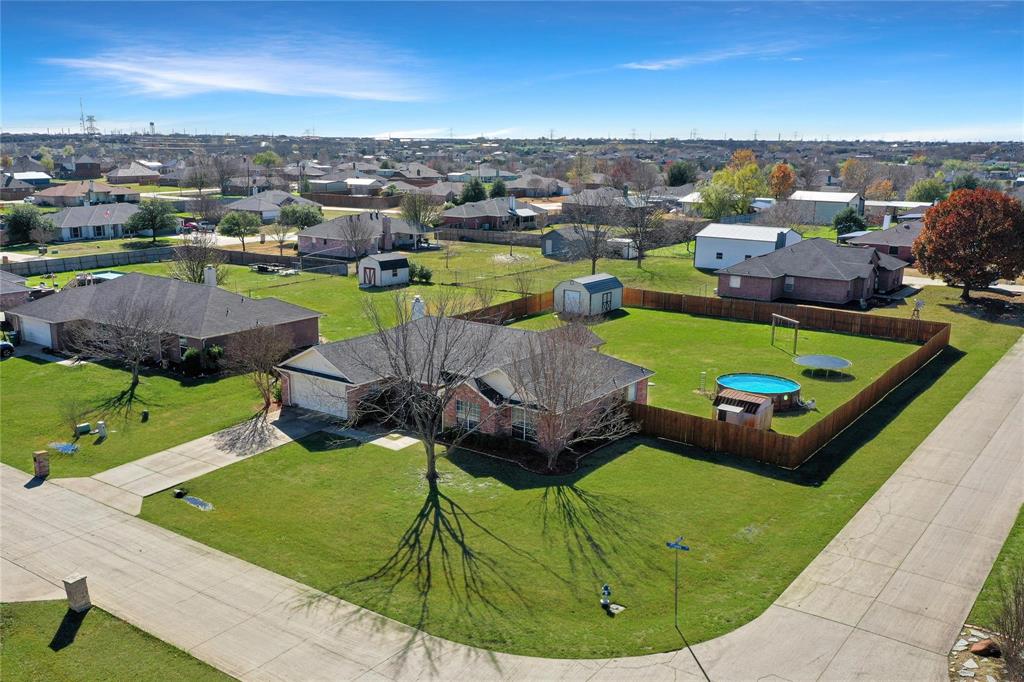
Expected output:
(517, 561)
(679, 347)
(93, 247)
(35, 395)
(988, 603)
(154, 188)
(46, 641)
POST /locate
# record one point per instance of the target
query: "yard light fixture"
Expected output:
(677, 546)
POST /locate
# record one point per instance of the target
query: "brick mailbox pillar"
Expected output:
(41, 463)
(78, 593)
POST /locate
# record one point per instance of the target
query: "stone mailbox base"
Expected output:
(41, 463)
(78, 593)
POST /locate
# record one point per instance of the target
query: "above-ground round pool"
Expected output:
(785, 393)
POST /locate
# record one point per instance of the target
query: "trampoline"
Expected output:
(829, 363)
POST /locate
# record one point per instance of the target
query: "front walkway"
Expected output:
(884, 600)
(124, 486)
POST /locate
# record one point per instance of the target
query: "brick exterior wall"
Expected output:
(753, 288)
(641, 392)
(14, 299)
(333, 247)
(493, 420)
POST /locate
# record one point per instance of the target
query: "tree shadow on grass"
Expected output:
(437, 556)
(253, 435)
(833, 454)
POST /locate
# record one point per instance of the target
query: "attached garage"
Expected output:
(317, 393)
(35, 331)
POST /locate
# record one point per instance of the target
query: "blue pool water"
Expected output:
(758, 383)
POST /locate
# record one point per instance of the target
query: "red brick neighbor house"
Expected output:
(814, 271)
(336, 378)
(503, 213)
(13, 189)
(133, 173)
(897, 241)
(199, 315)
(352, 236)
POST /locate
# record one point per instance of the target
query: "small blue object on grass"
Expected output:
(65, 448)
(201, 505)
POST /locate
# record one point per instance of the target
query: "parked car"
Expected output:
(6, 349)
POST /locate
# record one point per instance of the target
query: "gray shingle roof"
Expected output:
(816, 258)
(196, 310)
(487, 208)
(595, 284)
(134, 169)
(903, 234)
(268, 201)
(390, 260)
(101, 214)
(342, 226)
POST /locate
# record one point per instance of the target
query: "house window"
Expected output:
(99, 230)
(735, 281)
(788, 284)
(718, 255)
(467, 414)
(894, 250)
(394, 273)
(522, 426)
(76, 233)
(182, 346)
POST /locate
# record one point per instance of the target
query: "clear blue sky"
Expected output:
(940, 70)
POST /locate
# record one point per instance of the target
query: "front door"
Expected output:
(370, 276)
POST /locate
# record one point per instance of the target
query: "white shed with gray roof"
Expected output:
(720, 245)
(591, 295)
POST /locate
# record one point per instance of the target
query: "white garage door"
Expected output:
(35, 331)
(322, 395)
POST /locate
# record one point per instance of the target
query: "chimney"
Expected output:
(419, 308)
(210, 276)
(511, 203)
(386, 225)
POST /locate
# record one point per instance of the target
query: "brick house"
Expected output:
(335, 378)
(352, 236)
(13, 291)
(133, 173)
(814, 271)
(503, 213)
(13, 189)
(199, 315)
(897, 241)
(85, 193)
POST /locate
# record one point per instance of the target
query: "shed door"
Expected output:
(370, 276)
(35, 331)
(572, 301)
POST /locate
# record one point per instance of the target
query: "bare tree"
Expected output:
(523, 283)
(421, 211)
(564, 389)
(644, 220)
(224, 168)
(784, 213)
(130, 332)
(1010, 621)
(193, 255)
(208, 208)
(200, 174)
(358, 235)
(807, 172)
(255, 352)
(591, 225)
(42, 233)
(280, 233)
(422, 364)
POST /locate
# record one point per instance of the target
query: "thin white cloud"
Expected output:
(967, 133)
(711, 57)
(348, 71)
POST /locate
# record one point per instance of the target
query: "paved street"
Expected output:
(885, 599)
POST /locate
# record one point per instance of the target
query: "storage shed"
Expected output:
(743, 409)
(591, 295)
(720, 245)
(383, 270)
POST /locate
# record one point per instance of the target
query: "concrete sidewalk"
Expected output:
(884, 600)
(124, 486)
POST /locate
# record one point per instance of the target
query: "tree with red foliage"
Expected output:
(782, 180)
(972, 239)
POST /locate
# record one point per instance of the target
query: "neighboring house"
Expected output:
(813, 270)
(267, 205)
(102, 221)
(416, 173)
(13, 291)
(591, 295)
(483, 174)
(84, 168)
(336, 378)
(364, 186)
(199, 315)
(352, 236)
(37, 179)
(304, 170)
(538, 186)
(690, 203)
(247, 185)
(720, 245)
(383, 270)
(84, 193)
(13, 189)
(570, 243)
(25, 163)
(819, 208)
(443, 191)
(897, 241)
(133, 173)
(503, 213)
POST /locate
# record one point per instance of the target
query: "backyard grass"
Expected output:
(46, 641)
(517, 560)
(1012, 556)
(679, 347)
(35, 395)
(94, 247)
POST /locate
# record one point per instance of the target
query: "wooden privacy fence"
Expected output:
(810, 317)
(513, 310)
(46, 266)
(453, 234)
